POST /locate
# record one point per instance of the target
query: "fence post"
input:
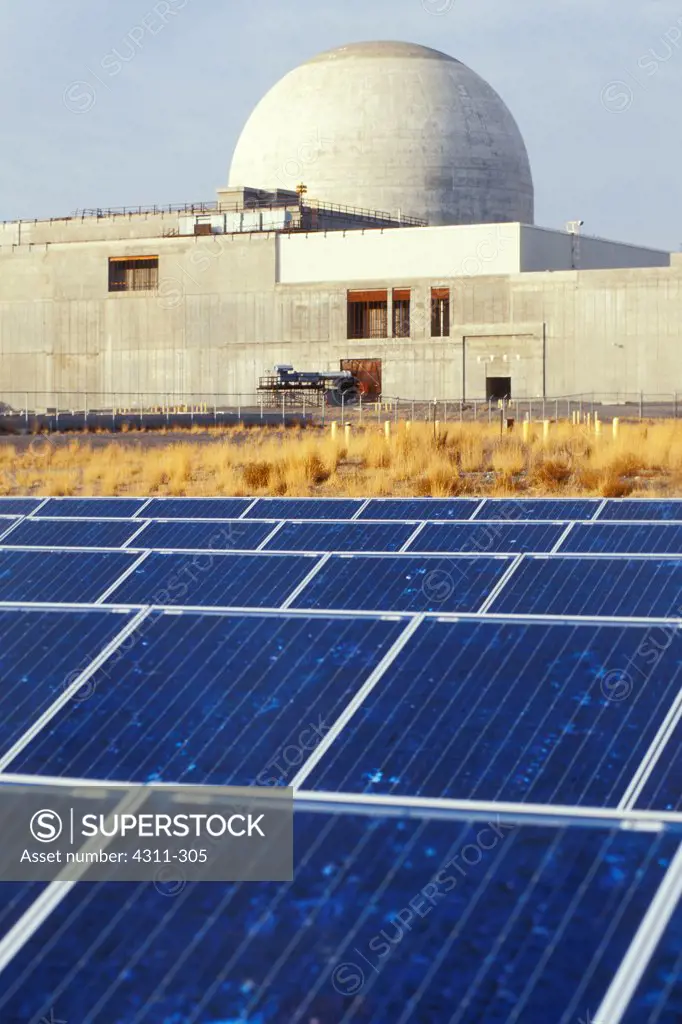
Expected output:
(641, 405)
(395, 416)
(461, 411)
(413, 410)
(475, 410)
(360, 409)
(490, 410)
(343, 409)
(26, 407)
(284, 419)
(675, 404)
(543, 408)
(445, 412)
(556, 410)
(304, 406)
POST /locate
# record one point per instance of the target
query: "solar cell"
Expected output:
(356, 536)
(18, 506)
(72, 533)
(630, 587)
(414, 583)
(225, 535)
(387, 920)
(239, 700)
(538, 508)
(641, 508)
(305, 508)
(213, 579)
(658, 1000)
(40, 655)
(196, 508)
(663, 789)
(624, 538)
(487, 537)
(59, 576)
(507, 711)
(95, 508)
(420, 508)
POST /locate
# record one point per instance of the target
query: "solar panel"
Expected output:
(658, 999)
(538, 508)
(225, 535)
(662, 790)
(357, 536)
(624, 538)
(507, 711)
(631, 587)
(41, 654)
(18, 506)
(196, 508)
(59, 576)
(72, 533)
(401, 583)
(388, 920)
(420, 508)
(211, 579)
(641, 508)
(487, 537)
(305, 508)
(213, 699)
(95, 508)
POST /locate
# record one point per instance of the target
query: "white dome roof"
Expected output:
(390, 126)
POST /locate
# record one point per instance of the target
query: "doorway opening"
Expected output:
(497, 388)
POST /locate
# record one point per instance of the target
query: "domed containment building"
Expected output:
(392, 127)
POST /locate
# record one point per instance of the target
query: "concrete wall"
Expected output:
(543, 249)
(399, 253)
(220, 319)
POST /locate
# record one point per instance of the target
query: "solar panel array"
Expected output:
(477, 703)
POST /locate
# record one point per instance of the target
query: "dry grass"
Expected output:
(420, 460)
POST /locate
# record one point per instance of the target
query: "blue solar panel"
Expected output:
(95, 508)
(414, 583)
(389, 921)
(40, 655)
(214, 580)
(622, 538)
(420, 508)
(72, 533)
(658, 1000)
(638, 508)
(196, 508)
(506, 711)
(18, 506)
(487, 537)
(663, 791)
(538, 508)
(355, 536)
(631, 587)
(231, 534)
(213, 699)
(305, 508)
(78, 577)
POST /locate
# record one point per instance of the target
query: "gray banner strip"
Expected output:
(168, 835)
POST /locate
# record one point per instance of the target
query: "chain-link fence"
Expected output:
(109, 411)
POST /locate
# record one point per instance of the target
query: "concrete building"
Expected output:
(196, 303)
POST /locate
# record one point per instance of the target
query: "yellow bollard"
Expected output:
(346, 431)
(408, 424)
(525, 428)
(387, 430)
(597, 428)
(436, 425)
(614, 427)
(545, 430)
(335, 427)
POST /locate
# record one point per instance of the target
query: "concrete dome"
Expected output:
(390, 126)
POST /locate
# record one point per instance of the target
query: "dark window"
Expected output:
(497, 387)
(139, 274)
(367, 314)
(440, 313)
(401, 312)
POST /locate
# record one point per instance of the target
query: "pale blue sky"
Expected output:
(163, 128)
